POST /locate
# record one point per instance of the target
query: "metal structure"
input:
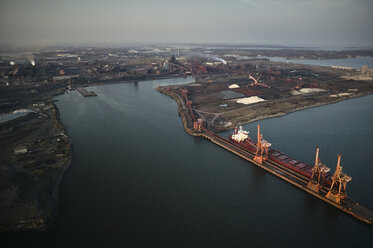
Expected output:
(337, 191)
(240, 135)
(197, 125)
(319, 170)
(262, 148)
(258, 83)
(293, 171)
(189, 103)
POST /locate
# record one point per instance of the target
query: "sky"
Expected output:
(116, 22)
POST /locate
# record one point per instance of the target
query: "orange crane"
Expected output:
(318, 170)
(251, 77)
(337, 191)
(258, 83)
(261, 148)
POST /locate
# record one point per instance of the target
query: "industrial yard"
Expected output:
(182, 124)
(35, 153)
(231, 87)
(239, 93)
(316, 179)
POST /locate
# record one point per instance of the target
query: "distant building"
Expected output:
(366, 71)
(216, 63)
(342, 67)
(20, 150)
(58, 78)
(67, 55)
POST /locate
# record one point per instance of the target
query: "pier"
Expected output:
(85, 92)
(337, 200)
(349, 206)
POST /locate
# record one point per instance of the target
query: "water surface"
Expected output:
(138, 180)
(356, 63)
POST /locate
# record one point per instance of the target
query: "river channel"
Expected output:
(139, 180)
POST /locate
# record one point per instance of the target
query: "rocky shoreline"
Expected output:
(31, 178)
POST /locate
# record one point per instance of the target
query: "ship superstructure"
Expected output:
(240, 135)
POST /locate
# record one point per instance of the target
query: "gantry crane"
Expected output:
(318, 170)
(261, 148)
(337, 191)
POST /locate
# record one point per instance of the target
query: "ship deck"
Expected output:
(284, 172)
(349, 206)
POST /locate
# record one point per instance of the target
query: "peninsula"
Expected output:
(232, 87)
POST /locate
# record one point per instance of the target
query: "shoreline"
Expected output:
(37, 210)
(188, 126)
(180, 109)
(40, 223)
(121, 81)
(294, 110)
(57, 189)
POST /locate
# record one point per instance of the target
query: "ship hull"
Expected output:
(283, 160)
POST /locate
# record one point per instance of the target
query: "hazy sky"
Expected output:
(284, 22)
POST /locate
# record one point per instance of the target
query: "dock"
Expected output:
(349, 206)
(85, 92)
(343, 203)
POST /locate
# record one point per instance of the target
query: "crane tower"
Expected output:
(261, 148)
(319, 170)
(337, 191)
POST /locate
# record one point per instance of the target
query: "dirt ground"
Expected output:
(29, 180)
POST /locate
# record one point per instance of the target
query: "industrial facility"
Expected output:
(315, 179)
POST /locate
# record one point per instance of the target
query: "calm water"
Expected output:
(138, 180)
(356, 63)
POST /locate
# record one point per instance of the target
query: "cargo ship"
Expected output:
(316, 180)
(242, 138)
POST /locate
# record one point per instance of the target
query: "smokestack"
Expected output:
(31, 59)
